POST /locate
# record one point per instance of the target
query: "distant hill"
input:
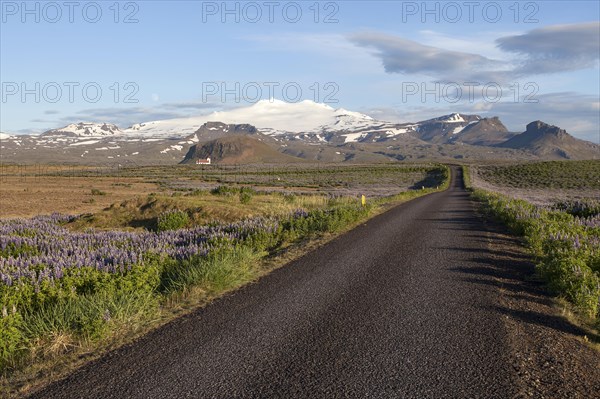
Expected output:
(487, 131)
(550, 141)
(83, 129)
(237, 149)
(444, 128)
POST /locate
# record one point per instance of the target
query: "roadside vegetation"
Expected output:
(551, 175)
(563, 236)
(76, 284)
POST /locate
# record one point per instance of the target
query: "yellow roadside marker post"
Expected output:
(363, 200)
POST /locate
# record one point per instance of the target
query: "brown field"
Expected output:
(30, 195)
(30, 190)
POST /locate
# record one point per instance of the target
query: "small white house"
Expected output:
(203, 161)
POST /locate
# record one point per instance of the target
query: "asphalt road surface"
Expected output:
(385, 311)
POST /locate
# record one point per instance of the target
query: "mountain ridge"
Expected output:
(316, 132)
(544, 139)
(85, 129)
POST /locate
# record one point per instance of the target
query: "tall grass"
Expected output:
(219, 271)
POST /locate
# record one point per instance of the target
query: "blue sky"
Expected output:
(394, 60)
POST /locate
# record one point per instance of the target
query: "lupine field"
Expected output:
(563, 236)
(40, 251)
(66, 284)
(46, 270)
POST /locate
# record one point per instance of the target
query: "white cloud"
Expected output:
(400, 55)
(483, 44)
(557, 48)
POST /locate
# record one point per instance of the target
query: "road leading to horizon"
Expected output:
(388, 310)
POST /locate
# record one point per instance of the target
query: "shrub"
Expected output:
(245, 197)
(583, 208)
(224, 190)
(289, 198)
(11, 337)
(172, 220)
(95, 191)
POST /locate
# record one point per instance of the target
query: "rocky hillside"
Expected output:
(444, 128)
(552, 142)
(487, 132)
(236, 149)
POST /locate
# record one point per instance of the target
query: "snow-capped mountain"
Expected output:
(293, 128)
(271, 117)
(305, 121)
(85, 129)
(452, 118)
(445, 128)
(306, 130)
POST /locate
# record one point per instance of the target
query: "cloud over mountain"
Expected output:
(556, 48)
(400, 55)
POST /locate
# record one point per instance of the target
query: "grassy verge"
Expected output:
(51, 324)
(564, 243)
(467, 177)
(557, 175)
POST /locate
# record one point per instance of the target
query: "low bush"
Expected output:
(95, 191)
(245, 197)
(172, 220)
(224, 190)
(583, 207)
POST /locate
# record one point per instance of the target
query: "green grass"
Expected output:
(466, 171)
(541, 175)
(235, 201)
